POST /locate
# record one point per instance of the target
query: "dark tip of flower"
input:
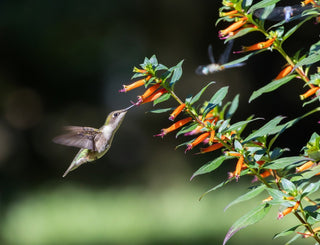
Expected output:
(238, 52)
(237, 177)
(161, 134)
(280, 215)
(255, 179)
(171, 118)
(189, 147)
(122, 90)
(188, 133)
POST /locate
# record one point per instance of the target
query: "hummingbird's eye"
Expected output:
(115, 114)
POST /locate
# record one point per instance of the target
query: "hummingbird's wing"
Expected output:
(81, 137)
(226, 54)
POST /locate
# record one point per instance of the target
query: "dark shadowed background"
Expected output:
(62, 63)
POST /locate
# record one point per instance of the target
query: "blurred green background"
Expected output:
(62, 63)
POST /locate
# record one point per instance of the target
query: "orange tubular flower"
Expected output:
(265, 174)
(155, 95)
(288, 210)
(239, 167)
(309, 93)
(232, 33)
(232, 12)
(284, 72)
(211, 148)
(137, 70)
(134, 85)
(233, 27)
(268, 199)
(305, 2)
(197, 141)
(257, 46)
(305, 166)
(174, 126)
(147, 93)
(177, 111)
(212, 134)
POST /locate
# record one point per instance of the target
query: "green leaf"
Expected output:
(311, 188)
(246, 3)
(264, 130)
(249, 195)
(177, 73)
(162, 98)
(271, 87)
(284, 162)
(306, 175)
(161, 110)
(153, 60)
(286, 232)
(198, 95)
(224, 125)
(250, 218)
(278, 198)
(187, 129)
(288, 185)
(314, 56)
(293, 239)
(239, 125)
(215, 188)
(244, 58)
(311, 59)
(161, 67)
(242, 32)
(233, 107)
(209, 167)
(293, 29)
(262, 4)
(216, 99)
(266, 12)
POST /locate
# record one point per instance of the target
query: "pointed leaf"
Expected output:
(264, 130)
(271, 87)
(162, 98)
(293, 29)
(250, 218)
(288, 185)
(239, 124)
(284, 162)
(209, 167)
(307, 174)
(187, 129)
(233, 107)
(161, 110)
(262, 4)
(177, 73)
(311, 59)
(311, 188)
(198, 95)
(249, 195)
(215, 188)
(242, 32)
(216, 99)
(286, 232)
(240, 60)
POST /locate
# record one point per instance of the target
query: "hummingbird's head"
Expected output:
(115, 118)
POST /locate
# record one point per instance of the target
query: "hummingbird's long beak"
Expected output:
(125, 109)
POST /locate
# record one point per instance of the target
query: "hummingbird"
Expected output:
(221, 65)
(94, 143)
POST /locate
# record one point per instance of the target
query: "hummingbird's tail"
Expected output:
(79, 159)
